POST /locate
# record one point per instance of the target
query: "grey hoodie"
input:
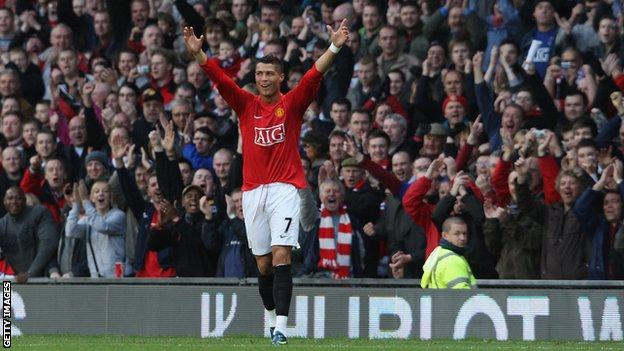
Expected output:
(104, 237)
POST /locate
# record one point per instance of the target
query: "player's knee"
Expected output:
(265, 264)
(281, 255)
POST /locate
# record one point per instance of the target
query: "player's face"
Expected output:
(268, 80)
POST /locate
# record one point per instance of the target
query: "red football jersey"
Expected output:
(270, 132)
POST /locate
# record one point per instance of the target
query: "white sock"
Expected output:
(280, 324)
(271, 317)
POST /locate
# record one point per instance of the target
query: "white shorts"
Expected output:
(271, 217)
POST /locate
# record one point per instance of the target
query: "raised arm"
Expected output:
(231, 92)
(338, 38)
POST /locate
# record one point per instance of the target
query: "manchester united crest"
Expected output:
(279, 112)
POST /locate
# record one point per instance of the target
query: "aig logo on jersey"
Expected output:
(269, 136)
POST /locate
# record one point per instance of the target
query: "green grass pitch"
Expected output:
(126, 343)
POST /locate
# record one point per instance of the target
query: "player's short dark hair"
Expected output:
(272, 60)
(342, 101)
(378, 133)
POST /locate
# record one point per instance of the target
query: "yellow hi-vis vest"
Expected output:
(444, 269)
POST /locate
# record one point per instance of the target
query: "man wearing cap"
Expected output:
(433, 141)
(454, 109)
(194, 250)
(363, 202)
(97, 165)
(152, 104)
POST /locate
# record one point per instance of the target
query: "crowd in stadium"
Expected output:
(120, 157)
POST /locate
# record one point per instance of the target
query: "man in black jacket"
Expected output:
(188, 233)
(462, 202)
(28, 236)
(363, 202)
(406, 240)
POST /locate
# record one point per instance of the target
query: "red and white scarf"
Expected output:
(336, 259)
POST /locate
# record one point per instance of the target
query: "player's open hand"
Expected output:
(193, 43)
(340, 36)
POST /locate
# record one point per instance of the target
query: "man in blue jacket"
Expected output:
(606, 262)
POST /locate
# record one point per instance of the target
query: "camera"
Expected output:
(143, 69)
(566, 64)
(539, 133)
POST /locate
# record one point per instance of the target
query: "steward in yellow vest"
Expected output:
(446, 268)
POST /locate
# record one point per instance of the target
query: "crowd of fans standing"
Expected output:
(120, 158)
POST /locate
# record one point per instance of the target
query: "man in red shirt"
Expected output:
(270, 125)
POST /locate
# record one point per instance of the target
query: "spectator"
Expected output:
(391, 57)
(415, 40)
(187, 234)
(199, 152)
(563, 246)
(28, 238)
(235, 258)
(446, 267)
(325, 258)
(103, 226)
(359, 125)
(12, 171)
(368, 88)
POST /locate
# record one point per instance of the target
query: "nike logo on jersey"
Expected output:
(269, 136)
